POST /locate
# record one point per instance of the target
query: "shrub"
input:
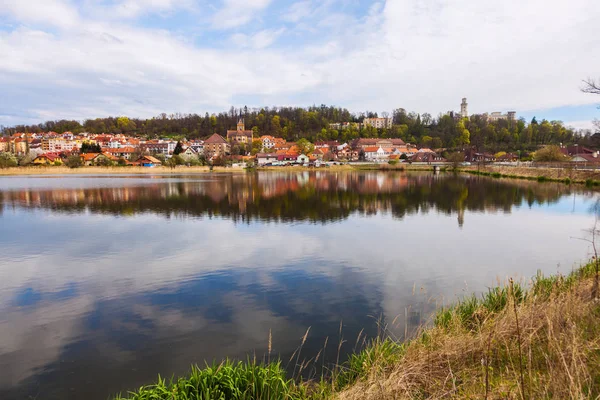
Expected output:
(496, 175)
(74, 161)
(8, 160)
(549, 154)
(393, 162)
(542, 179)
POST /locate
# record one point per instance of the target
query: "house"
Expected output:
(471, 155)
(586, 157)
(216, 146)
(148, 161)
(197, 146)
(90, 159)
(303, 159)
(575, 150)
(268, 142)
(189, 153)
(47, 159)
(378, 123)
(375, 154)
(266, 158)
(240, 135)
(426, 157)
(508, 157)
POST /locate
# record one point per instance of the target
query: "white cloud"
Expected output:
(424, 55)
(235, 13)
(259, 40)
(58, 13)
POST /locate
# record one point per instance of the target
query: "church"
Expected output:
(240, 135)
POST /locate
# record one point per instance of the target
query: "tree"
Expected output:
(591, 86)
(456, 159)
(8, 160)
(87, 147)
(549, 154)
(74, 161)
(178, 149)
(305, 146)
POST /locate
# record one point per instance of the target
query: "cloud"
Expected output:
(259, 40)
(423, 55)
(235, 13)
(45, 12)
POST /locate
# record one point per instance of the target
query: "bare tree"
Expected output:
(591, 86)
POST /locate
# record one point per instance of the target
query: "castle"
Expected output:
(494, 116)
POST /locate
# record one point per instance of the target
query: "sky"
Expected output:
(79, 59)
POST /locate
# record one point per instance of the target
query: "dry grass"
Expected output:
(551, 173)
(557, 334)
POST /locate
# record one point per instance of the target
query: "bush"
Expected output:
(542, 179)
(393, 162)
(549, 154)
(496, 175)
(8, 160)
(74, 161)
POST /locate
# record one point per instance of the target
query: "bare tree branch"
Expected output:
(591, 86)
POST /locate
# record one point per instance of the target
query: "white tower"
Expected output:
(463, 108)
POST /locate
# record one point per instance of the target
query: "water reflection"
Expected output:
(317, 197)
(107, 282)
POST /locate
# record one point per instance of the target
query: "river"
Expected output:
(107, 281)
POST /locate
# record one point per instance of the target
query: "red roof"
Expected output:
(215, 139)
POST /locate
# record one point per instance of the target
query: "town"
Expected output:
(401, 138)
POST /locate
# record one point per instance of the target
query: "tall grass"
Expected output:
(228, 380)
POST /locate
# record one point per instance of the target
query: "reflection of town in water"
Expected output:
(313, 196)
(107, 282)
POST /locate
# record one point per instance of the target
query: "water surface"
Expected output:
(107, 281)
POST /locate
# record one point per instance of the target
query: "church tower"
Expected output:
(463, 108)
(240, 125)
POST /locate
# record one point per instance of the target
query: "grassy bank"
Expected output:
(565, 175)
(536, 341)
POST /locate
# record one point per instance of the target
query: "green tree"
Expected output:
(305, 146)
(549, 154)
(74, 161)
(178, 149)
(8, 160)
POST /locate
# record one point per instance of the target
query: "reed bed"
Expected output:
(514, 342)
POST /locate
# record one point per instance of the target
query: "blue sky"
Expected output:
(94, 58)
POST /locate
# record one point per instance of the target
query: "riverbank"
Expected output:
(566, 175)
(61, 170)
(539, 341)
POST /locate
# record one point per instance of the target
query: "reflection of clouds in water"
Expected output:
(149, 294)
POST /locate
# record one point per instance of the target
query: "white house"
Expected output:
(266, 158)
(375, 154)
(302, 159)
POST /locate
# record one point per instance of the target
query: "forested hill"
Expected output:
(293, 123)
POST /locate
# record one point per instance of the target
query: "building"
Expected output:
(496, 116)
(47, 159)
(268, 142)
(463, 108)
(59, 144)
(379, 123)
(266, 158)
(216, 146)
(148, 161)
(375, 154)
(240, 135)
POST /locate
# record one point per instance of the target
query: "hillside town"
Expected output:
(244, 147)
(239, 146)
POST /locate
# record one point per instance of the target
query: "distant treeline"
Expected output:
(313, 123)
